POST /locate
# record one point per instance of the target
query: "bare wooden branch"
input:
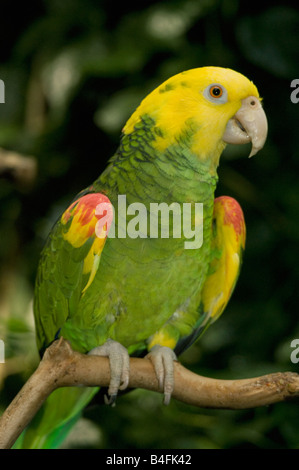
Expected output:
(63, 367)
(20, 168)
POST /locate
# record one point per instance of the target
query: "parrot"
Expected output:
(115, 292)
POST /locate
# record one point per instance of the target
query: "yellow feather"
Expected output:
(161, 338)
(229, 240)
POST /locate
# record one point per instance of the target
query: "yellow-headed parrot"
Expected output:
(117, 276)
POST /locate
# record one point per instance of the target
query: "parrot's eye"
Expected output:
(216, 93)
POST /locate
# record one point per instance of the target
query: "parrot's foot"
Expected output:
(119, 361)
(162, 359)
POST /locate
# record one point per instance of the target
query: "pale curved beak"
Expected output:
(249, 124)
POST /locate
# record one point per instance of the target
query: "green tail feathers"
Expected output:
(56, 418)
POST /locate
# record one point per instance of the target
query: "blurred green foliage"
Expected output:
(73, 72)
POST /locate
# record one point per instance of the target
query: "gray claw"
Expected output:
(119, 362)
(110, 400)
(162, 359)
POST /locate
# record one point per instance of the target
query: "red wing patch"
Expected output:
(89, 216)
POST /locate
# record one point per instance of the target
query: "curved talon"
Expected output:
(110, 400)
(119, 362)
(162, 359)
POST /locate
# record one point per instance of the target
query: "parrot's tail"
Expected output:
(56, 418)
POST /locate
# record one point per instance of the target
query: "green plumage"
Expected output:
(117, 305)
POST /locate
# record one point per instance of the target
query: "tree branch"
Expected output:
(19, 168)
(63, 367)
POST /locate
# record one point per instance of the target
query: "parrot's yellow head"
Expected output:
(208, 107)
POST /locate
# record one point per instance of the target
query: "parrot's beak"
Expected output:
(249, 124)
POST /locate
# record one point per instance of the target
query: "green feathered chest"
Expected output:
(157, 253)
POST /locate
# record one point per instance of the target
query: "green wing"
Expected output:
(69, 262)
(67, 268)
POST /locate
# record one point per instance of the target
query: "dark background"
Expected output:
(74, 71)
